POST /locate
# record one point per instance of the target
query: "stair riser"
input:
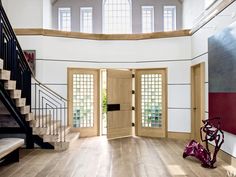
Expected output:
(61, 146)
(5, 75)
(1, 64)
(15, 94)
(39, 131)
(20, 102)
(25, 110)
(29, 117)
(50, 138)
(10, 85)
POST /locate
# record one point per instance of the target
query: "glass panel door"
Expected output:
(83, 99)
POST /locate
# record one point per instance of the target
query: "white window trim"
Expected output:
(175, 17)
(103, 17)
(153, 18)
(59, 17)
(81, 20)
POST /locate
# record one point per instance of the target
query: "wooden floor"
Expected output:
(97, 157)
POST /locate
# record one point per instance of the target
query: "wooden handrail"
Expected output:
(78, 35)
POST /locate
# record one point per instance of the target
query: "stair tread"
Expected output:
(15, 93)
(5, 74)
(72, 136)
(1, 64)
(10, 85)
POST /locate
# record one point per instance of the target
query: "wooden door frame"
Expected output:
(165, 90)
(202, 95)
(70, 100)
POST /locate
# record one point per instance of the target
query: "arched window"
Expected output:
(117, 16)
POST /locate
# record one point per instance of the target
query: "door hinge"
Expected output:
(133, 124)
(133, 108)
(133, 92)
(133, 75)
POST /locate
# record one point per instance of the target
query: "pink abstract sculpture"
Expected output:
(211, 133)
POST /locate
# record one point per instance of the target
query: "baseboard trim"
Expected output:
(178, 135)
(229, 159)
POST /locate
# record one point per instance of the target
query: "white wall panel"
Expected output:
(142, 50)
(179, 72)
(24, 13)
(179, 96)
(179, 120)
(60, 89)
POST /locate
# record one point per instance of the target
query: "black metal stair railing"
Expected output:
(50, 110)
(48, 107)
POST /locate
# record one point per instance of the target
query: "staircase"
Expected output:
(39, 111)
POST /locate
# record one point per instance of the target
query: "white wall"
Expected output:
(47, 14)
(55, 54)
(191, 11)
(200, 54)
(24, 13)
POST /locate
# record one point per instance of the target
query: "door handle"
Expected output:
(113, 107)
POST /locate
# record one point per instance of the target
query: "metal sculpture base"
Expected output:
(212, 134)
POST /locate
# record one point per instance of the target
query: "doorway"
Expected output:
(151, 102)
(118, 103)
(197, 99)
(83, 101)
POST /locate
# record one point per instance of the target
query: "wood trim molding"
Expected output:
(224, 156)
(202, 95)
(78, 35)
(210, 14)
(179, 135)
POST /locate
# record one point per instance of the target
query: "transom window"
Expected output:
(117, 16)
(147, 19)
(169, 18)
(86, 19)
(64, 19)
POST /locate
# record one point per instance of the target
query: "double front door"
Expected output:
(147, 112)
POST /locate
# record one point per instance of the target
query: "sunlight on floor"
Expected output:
(231, 171)
(176, 170)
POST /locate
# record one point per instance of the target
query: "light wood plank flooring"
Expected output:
(98, 157)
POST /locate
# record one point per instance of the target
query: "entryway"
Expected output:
(118, 102)
(197, 99)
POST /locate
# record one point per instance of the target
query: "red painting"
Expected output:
(30, 56)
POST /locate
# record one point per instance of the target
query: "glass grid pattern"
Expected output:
(169, 18)
(151, 100)
(117, 16)
(147, 19)
(64, 17)
(86, 19)
(83, 100)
